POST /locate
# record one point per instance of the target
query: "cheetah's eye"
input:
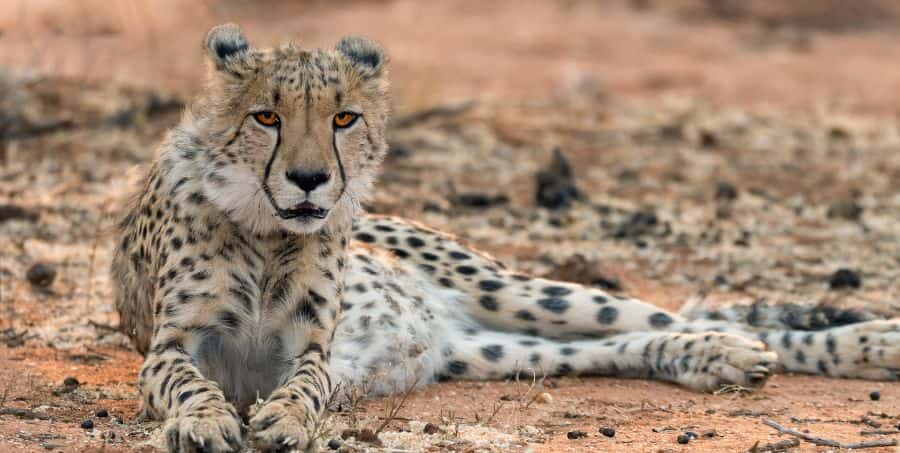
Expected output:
(345, 119)
(267, 119)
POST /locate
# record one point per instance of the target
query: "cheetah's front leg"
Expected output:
(198, 418)
(288, 419)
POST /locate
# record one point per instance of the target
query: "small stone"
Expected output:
(710, 433)
(608, 432)
(431, 428)
(480, 200)
(40, 274)
(875, 396)
(544, 398)
(726, 191)
(576, 434)
(684, 439)
(845, 209)
(692, 435)
(348, 433)
(556, 184)
(335, 444)
(71, 382)
(87, 424)
(845, 278)
(13, 212)
(102, 413)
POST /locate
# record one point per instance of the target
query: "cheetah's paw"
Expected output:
(711, 361)
(204, 432)
(279, 427)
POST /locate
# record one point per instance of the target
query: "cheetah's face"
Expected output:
(303, 131)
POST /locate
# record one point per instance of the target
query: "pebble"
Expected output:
(576, 434)
(845, 209)
(71, 382)
(431, 428)
(545, 398)
(875, 396)
(40, 274)
(684, 439)
(103, 413)
(726, 191)
(335, 444)
(87, 424)
(608, 432)
(14, 212)
(556, 184)
(845, 278)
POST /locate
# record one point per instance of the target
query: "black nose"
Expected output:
(307, 180)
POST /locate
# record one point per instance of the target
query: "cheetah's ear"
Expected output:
(224, 41)
(366, 55)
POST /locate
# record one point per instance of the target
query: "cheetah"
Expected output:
(246, 271)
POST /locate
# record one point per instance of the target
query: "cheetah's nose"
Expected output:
(307, 180)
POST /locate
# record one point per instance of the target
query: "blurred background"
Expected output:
(742, 150)
(797, 53)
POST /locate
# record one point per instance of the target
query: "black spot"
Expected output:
(400, 253)
(659, 320)
(822, 367)
(489, 303)
(183, 396)
(800, 357)
(525, 315)
(459, 255)
(830, 344)
(556, 291)
(554, 304)
(229, 319)
(566, 350)
(528, 342)
(386, 228)
(607, 315)
(457, 367)
(535, 358)
(808, 339)
(429, 256)
(490, 285)
(466, 270)
(492, 352)
(600, 299)
(415, 242)
(365, 237)
(176, 243)
(446, 282)
(564, 369)
(787, 340)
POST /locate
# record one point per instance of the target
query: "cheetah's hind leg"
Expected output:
(703, 361)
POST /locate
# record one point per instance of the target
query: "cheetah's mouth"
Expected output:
(303, 210)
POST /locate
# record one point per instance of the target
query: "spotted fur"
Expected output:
(231, 301)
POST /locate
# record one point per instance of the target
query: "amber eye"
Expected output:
(266, 118)
(344, 119)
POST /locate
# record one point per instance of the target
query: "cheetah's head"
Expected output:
(295, 136)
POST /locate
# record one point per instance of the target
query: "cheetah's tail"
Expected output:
(787, 316)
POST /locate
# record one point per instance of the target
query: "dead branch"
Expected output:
(780, 446)
(829, 442)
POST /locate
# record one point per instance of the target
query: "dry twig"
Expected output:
(829, 442)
